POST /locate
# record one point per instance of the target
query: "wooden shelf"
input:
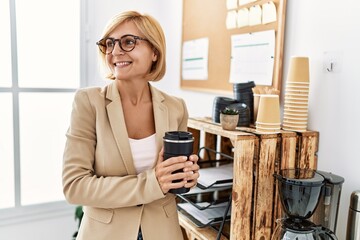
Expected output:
(255, 205)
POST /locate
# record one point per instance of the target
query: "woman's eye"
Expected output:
(109, 43)
(129, 41)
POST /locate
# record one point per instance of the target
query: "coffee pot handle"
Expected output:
(327, 232)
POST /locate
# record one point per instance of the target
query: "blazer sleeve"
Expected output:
(81, 185)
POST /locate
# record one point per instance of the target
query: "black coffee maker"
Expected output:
(301, 192)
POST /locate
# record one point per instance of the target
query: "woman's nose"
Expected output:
(117, 49)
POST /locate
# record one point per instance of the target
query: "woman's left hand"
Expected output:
(192, 172)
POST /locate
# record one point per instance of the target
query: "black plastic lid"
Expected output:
(301, 177)
(178, 135)
(224, 100)
(239, 86)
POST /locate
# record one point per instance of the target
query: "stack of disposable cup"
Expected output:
(256, 104)
(297, 95)
(268, 114)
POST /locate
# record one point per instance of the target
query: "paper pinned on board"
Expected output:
(231, 4)
(195, 59)
(242, 2)
(268, 13)
(252, 57)
(231, 19)
(255, 15)
(243, 18)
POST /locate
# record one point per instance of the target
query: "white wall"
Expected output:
(315, 27)
(312, 28)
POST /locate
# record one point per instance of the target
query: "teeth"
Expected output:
(121, 63)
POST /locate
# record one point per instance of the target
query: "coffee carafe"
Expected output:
(300, 192)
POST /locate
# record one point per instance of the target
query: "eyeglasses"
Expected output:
(127, 43)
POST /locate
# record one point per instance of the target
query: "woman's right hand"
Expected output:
(164, 170)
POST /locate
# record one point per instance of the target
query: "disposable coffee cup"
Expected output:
(269, 109)
(178, 143)
(256, 105)
(299, 70)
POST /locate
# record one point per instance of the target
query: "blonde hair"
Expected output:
(152, 31)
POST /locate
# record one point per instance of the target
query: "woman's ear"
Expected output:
(155, 54)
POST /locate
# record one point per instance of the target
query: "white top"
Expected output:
(144, 152)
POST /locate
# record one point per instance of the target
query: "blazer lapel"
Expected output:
(161, 116)
(117, 123)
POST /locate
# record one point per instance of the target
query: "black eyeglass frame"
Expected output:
(101, 44)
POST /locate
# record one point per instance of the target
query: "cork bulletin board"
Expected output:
(207, 19)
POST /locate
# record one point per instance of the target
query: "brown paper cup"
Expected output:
(268, 125)
(296, 103)
(297, 96)
(296, 90)
(293, 122)
(295, 115)
(256, 104)
(296, 85)
(267, 130)
(298, 70)
(269, 109)
(296, 129)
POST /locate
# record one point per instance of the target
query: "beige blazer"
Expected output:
(98, 169)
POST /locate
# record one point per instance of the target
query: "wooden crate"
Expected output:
(191, 232)
(255, 204)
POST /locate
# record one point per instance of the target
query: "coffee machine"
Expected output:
(310, 201)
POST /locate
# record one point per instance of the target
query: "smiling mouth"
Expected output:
(122, 64)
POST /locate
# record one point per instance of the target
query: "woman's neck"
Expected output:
(134, 92)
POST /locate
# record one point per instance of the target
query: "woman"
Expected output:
(113, 159)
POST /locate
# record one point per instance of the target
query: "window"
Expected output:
(7, 184)
(51, 39)
(42, 141)
(5, 56)
(40, 71)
